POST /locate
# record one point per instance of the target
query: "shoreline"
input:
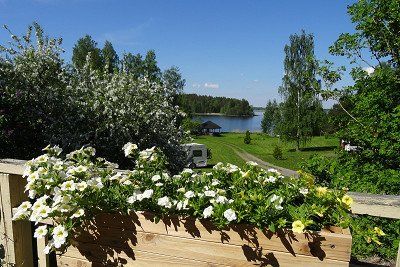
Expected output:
(224, 115)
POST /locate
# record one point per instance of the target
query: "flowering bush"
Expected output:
(44, 100)
(73, 190)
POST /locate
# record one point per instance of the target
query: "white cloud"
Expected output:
(369, 70)
(211, 85)
(256, 80)
(196, 85)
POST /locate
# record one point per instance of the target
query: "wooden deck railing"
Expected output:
(16, 239)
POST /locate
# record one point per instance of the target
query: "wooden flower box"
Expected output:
(136, 240)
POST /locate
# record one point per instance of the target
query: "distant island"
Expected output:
(215, 105)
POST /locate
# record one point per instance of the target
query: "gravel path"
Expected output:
(263, 164)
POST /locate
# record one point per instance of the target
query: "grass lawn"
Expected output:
(262, 147)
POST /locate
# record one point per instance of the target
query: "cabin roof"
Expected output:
(210, 125)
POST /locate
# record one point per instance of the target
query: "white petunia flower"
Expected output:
(189, 194)
(164, 202)
(230, 215)
(48, 247)
(41, 231)
(59, 242)
(81, 186)
(68, 186)
(80, 169)
(59, 232)
(177, 177)
(303, 191)
(271, 179)
(43, 211)
(252, 163)
(221, 199)
(274, 171)
(129, 148)
(209, 193)
(159, 184)
(78, 213)
(208, 211)
(148, 193)
(155, 178)
(214, 182)
(33, 177)
(181, 205)
(42, 158)
(190, 171)
(115, 177)
(181, 190)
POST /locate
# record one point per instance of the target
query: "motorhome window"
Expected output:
(197, 153)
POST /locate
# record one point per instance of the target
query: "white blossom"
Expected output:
(208, 211)
(189, 194)
(155, 178)
(78, 213)
(209, 193)
(303, 191)
(40, 232)
(164, 202)
(230, 215)
(129, 148)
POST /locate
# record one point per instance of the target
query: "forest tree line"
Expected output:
(193, 103)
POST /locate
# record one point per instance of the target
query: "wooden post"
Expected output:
(16, 236)
(398, 257)
(43, 259)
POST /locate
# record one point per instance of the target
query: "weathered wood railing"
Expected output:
(16, 239)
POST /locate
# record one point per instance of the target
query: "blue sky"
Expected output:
(223, 48)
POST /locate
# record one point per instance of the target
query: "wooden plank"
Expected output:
(17, 235)
(398, 257)
(376, 210)
(43, 259)
(137, 257)
(12, 166)
(324, 244)
(196, 249)
(387, 206)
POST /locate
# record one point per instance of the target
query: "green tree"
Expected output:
(247, 138)
(133, 64)
(269, 119)
(82, 48)
(172, 79)
(151, 70)
(299, 89)
(372, 107)
(110, 57)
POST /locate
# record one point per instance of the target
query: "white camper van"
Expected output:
(196, 155)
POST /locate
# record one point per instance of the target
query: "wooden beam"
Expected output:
(387, 206)
(16, 236)
(12, 166)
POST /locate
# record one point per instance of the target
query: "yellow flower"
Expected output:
(321, 191)
(298, 227)
(246, 174)
(347, 200)
(379, 231)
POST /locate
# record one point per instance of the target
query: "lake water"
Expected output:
(235, 124)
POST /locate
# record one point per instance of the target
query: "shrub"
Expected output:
(277, 153)
(209, 153)
(44, 101)
(247, 138)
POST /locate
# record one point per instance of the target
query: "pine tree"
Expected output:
(110, 57)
